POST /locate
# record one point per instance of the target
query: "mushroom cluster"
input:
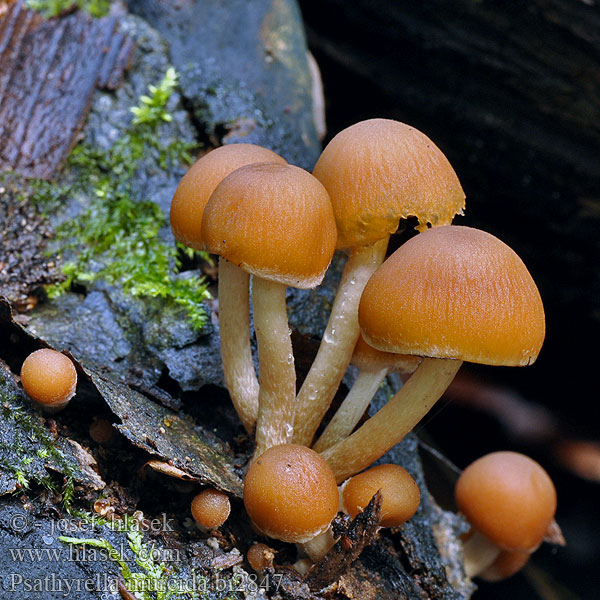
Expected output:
(450, 294)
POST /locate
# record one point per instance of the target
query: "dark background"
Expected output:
(511, 93)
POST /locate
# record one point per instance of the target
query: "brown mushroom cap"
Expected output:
(509, 498)
(196, 186)
(210, 508)
(260, 557)
(401, 495)
(49, 377)
(367, 358)
(274, 221)
(380, 171)
(454, 292)
(290, 493)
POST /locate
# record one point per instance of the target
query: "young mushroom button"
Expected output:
(291, 494)
(211, 508)
(276, 222)
(400, 493)
(187, 209)
(449, 294)
(49, 378)
(510, 501)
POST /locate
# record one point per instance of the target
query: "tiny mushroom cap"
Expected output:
(274, 221)
(102, 431)
(508, 498)
(290, 493)
(211, 508)
(196, 186)
(400, 493)
(380, 171)
(260, 557)
(49, 378)
(455, 292)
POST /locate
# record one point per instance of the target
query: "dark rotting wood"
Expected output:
(48, 73)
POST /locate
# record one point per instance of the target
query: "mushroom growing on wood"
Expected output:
(376, 172)
(400, 494)
(510, 501)
(49, 378)
(211, 508)
(276, 222)
(449, 294)
(187, 209)
(290, 494)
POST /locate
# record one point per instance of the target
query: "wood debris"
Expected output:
(48, 73)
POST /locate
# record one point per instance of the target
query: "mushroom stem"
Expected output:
(277, 377)
(319, 546)
(338, 342)
(479, 553)
(352, 408)
(386, 428)
(234, 318)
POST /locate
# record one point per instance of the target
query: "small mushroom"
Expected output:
(290, 493)
(373, 367)
(400, 494)
(49, 378)
(510, 502)
(275, 222)
(211, 508)
(260, 557)
(450, 294)
(187, 209)
(377, 172)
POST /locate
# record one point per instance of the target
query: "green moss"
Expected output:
(29, 431)
(52, 8)
(116, 238)
(144, 575)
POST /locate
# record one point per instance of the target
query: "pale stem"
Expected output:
(236, 352)
(392, 422)
(319, 546)
(277, 377)
(338, 342)
(352, 408)
(480, 553)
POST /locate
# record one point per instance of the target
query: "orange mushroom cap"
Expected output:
(290, 493)
(509, 498)
(49, 378)
(380, 171)
(196, 186)
(260, 557)
(400, 493)
(274, 221)
(367, 358)
(211, 508)
(454, 292)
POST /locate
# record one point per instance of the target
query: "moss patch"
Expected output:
(117, 238)
(53, 8)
